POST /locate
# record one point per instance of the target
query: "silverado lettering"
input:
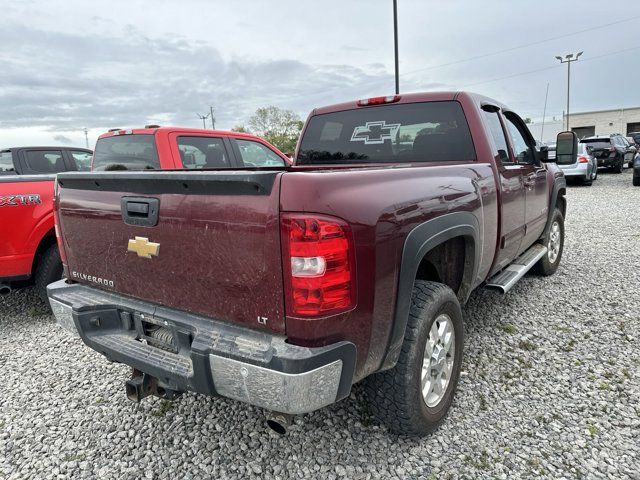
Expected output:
(360, 254)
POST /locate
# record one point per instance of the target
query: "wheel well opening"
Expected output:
(445, 264)
(48, 240)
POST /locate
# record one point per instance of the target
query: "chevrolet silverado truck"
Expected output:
(28, 249)
(283, 286)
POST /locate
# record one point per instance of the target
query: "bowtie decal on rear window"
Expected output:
(375, 133)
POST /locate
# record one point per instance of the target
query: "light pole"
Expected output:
(213, 119)
(568, 59)
(203, 118)
(395, 43)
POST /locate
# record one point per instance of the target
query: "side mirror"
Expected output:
(566, 148)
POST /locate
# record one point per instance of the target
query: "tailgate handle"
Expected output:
(141, 211)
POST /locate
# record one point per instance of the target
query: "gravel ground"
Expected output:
(550, 388)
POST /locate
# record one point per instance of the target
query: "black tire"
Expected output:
(636, 181)
(587, 181)
(619, 167)
(395, 396)
(545, 266)
(49, 270)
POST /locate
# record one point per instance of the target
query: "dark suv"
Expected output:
(611, 151)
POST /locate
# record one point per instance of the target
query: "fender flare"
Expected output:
(423, 238)
(559, 184)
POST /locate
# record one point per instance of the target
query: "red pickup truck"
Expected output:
(28, 247)
(282, 286)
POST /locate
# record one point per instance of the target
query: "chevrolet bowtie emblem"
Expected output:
(143, 247)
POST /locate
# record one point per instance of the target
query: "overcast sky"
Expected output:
(74, 64)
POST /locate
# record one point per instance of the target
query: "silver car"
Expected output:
(585, 168)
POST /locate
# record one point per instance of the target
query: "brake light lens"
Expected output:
(378, 100)
(318, 263)
(583, 159)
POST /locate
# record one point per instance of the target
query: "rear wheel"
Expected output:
(636, 181)
(49, 270)
(619, 167)
(587, 180)
(553, 239)
(414, 397)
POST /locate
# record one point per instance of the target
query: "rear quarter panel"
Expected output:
(383, 205)
(23, 223)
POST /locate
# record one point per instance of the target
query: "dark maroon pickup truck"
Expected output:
(283, 286)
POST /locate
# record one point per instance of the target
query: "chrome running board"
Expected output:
(507, 278)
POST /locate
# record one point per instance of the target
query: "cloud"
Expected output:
(67, 81)
(62, 139)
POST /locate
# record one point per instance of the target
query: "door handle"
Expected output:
(140, 211)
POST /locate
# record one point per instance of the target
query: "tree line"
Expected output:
(277, 126)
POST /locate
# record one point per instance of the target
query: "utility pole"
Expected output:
(568, 59)
(86, 136)
(544, 114)
(213, 119)
(395, 42)
(203, 118)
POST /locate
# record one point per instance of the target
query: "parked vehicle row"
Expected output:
(282, 285)
(611, 151)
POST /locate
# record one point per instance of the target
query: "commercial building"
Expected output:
(605, 122)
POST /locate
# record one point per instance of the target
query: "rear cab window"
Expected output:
(45, 161)
(597, 142)
(393, 133)
(126, 152)
(6, 163)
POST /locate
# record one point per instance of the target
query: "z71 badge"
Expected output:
(19, 200)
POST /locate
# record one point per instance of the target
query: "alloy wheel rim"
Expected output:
(555, 240)
(437, 365)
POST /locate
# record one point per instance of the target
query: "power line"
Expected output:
(549, 68)
(518, 47)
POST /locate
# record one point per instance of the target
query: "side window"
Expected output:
(493, 121)
(523, 152)
(255, 154)
(81, 159)
(45, 161)
(6, 162)
(202, 152)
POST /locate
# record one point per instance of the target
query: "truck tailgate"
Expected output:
(214, 249)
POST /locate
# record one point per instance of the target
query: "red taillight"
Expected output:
(378, 100)
(583, 159)
(318, 265)
(612, 151)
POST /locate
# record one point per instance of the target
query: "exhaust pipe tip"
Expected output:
(279, 422)
(5, 289)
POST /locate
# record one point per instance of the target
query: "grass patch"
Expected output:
(38, 311)
(593, 430)
(508, 328)
(524, 362)
(527, 345)
(604, 386)
(569, 346)
(76, 457)
(483, 403)
(165, 406)
(482, 461)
